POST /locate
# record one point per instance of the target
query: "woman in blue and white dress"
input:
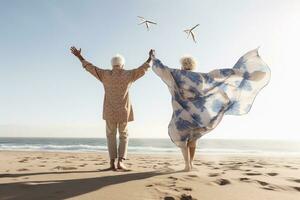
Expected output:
(200, 100)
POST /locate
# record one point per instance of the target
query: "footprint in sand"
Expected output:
(187, 189)
(173, 178)
(186, 197)
(290, 167)
(64, 168)
(235, 167)
(213, 174)
(169, 198)
(150, 185)
(22, 170)
(272, 174)
(192, 176)
(264, 185)
(294, 180)
(268, 188)
(253, 174)
(222, 182)
(296, 188)
(244, 179)
(182, 197)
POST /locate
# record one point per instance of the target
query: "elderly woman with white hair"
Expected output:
(117, 108)
(200, 100)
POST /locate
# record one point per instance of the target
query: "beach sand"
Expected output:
(53, 175)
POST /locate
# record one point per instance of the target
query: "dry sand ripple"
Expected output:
(46, 175)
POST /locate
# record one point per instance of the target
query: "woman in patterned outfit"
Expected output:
(200, 100)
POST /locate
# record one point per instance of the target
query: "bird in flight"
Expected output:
(146, 22)
(190, 32)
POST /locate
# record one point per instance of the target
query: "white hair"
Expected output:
(118, 60)
(188, 63)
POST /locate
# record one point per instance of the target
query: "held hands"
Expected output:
(152, 54)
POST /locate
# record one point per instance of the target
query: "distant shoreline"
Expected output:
(158, 154)
(163, 138)
(155, 146)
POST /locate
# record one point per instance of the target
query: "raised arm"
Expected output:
(140, 71)
(95, 71)
(162, 71)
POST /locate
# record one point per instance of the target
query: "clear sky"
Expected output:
(46, 93)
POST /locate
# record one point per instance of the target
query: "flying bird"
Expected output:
(146, 22)
(190, 32)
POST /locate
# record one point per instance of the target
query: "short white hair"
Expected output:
(118, 59)
(188, 63)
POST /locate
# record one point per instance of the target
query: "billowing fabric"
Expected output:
(200, 100)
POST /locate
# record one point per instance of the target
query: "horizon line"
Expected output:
(148, 138)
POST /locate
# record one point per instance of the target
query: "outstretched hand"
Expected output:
(152, 54)
(75, 51)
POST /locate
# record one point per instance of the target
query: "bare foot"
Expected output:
(112, 165)
(191, 164)
(122, 166)
(187, 168)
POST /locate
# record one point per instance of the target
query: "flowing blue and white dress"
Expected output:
(200, 100)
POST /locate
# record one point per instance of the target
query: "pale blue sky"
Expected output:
(45, 91)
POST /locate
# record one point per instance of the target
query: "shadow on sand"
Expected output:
(45, 173)
(62, 189)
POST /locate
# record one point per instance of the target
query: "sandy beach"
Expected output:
(53, 175)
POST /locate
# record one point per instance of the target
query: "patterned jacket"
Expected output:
(117, 106)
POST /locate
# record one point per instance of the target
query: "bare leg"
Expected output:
(192, 149)
(186, 156)
(192, 154)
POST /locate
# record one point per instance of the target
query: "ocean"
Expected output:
(155, 146)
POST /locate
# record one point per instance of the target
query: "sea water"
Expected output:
(151, 146)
